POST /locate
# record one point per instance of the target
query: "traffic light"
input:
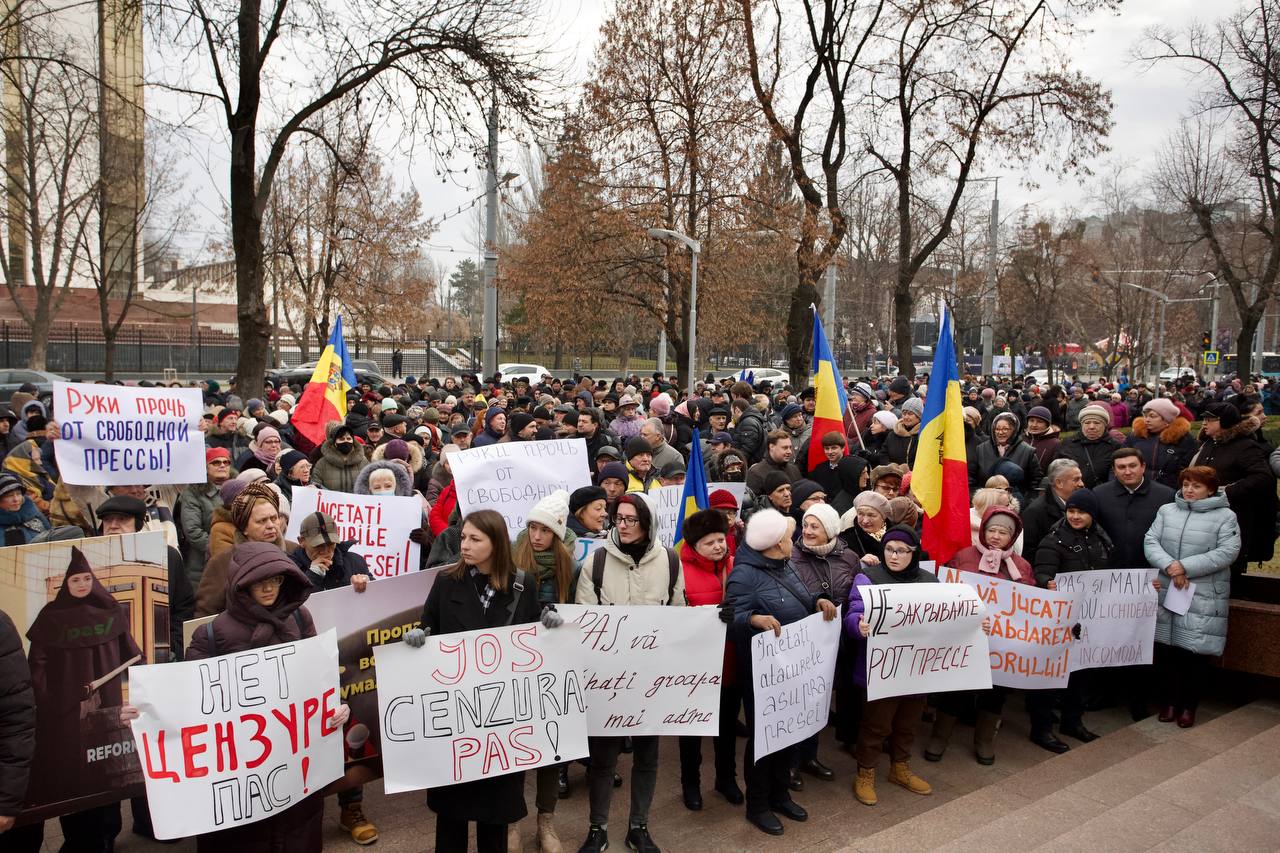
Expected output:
(1206, 341)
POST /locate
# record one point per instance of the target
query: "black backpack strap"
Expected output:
(597, 572)
(517, 587)
(297, 620)
(673, 567)
(213, 641)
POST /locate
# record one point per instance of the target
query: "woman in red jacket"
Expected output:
(993, 555)
(707, 563)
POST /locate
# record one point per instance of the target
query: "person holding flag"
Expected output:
(324, 400)
(940, 477)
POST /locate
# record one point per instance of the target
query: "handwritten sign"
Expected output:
(113, 435)
(379, 525)
(664, 503)
(1031, 630)
(234, 739)
(925, 638)
(583, 548)
(480, 703)
(650, 670)
(1117, 615)
(513, 476)
(793, 678)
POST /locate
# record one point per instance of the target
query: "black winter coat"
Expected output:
(900, 446)
(346, 564)
(1066, 549)
(1126, 517)
(1244, 471)
(983, 464)
(1038, 517)
(17, 718)
(453, 606)
(1093, 457)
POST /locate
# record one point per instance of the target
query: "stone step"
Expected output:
(1038, 804)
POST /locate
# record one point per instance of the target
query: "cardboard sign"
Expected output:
(793, 679)
(1031, 630)
(925, 638)
(379, 525)
(650, 670)
(513, 476)
(113, 435)
(480, 703)
(237, 738)
(1117, 614)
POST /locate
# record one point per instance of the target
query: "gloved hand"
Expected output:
(418, 535)
(417, 637)
(726, 612)
(550, 618)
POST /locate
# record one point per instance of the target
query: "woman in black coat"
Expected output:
(481, 590)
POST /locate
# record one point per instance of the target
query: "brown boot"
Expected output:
(943, 724)
(353, 821)
(864, 786)
(984, 737)
(900, 774)
(548, 841)
(514, 844)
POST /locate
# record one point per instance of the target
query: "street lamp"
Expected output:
(694, 249)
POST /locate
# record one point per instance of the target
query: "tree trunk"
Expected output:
(679, 343)
(800, 325)
(108, 354)
(40, 333)
(902, 305)
(1244, 345)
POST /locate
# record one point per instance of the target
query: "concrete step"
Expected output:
(1055, 797)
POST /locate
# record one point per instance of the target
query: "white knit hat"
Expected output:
(767, 528)
(827, 517)
(553, 511)
(888, 419)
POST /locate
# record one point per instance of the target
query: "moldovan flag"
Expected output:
(325, 397)
(940, 478)
(694, 497)
(829, 395)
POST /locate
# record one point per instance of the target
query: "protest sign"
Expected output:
(925, 638)
(664, 506)
(364, 622)
(233, 739)
(1031, 630)
(650, 670)
(379, 525)
(1117, 614)
(482, 703)
(738, 490)
(513, 476)
(583, 548)
(113, 435)
(84, 754)
(793, 678)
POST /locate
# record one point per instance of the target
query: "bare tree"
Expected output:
(1225, 166)
(430, 61)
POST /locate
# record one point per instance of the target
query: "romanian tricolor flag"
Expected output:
(829, 395)
(325, 398)
(694, 496)
(940, 478)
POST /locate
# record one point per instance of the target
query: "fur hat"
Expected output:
(552, 511)
(767, 528)
(704, 523)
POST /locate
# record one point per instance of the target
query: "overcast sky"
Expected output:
(1147, 107)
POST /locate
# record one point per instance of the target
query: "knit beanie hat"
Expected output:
(704, 523)
(9, 483)
(1162, 406)
(552, 511)
(1041, 413)
(289, 459)
(1083, 500)
(915, 404)
(802, 490)
(723, 499)
(767, 528)
(660, 406)
(519, 421)
(227, 493)
(636, 446)
(887, 419)
(396, 448)
(904, 534)
(1094, 410)
(874, 500)
(789, 410)
(773, 480)
(212, 453)
(863, 390)
(614, 470)
(827, 516)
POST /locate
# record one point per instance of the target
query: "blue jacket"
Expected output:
(24, 524)
(1205, 537)
(759, 585)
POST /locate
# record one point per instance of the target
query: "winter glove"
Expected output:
(550, 618)
(417, 637)
(418, 535)
(726, 612)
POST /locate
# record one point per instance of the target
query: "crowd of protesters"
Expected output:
(1065, 477)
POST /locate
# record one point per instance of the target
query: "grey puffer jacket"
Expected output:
(1205, 537)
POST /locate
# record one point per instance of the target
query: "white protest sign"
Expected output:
(1031, 637)
(111, 435)
(1116, 610)
(925, 638)
(793, 678)
(234, 739)
(479, 703)
(511, 477)
(583, 548)
(379, 525)
(738, 490)
(650, 670)
(664, 504)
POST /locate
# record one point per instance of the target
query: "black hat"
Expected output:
(586, 495)
(519, 421)
(901, 385)
(393, 419)
(35, 423)
(635, 446)
(673, 469)
(1083, 500)
(124, 505)
(802, 490)
(704, 523)
(773, 480)
(1226, 413)
(541, 413)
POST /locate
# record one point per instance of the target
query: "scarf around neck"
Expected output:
(991, 560)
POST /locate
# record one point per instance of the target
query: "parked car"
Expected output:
(530, 373)
(366, 370)
(1172, 374)
(12, 380)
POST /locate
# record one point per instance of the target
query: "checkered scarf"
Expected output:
(486, 594)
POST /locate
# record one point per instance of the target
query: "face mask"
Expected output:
(382, 490)
(345, 446)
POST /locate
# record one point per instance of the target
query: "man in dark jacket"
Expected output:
(1091, 449)
(591, 427)
(749, 430)
(1043, 512)
(17, 723)
(328, 563)
(1127, 506)
(778, 459)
